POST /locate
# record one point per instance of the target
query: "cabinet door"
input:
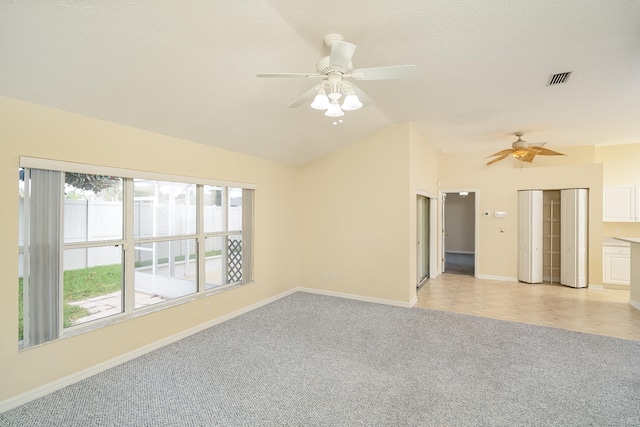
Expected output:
(617, 265)
(637, 212)
(619, 204)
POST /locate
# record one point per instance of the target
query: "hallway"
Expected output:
(601, 312)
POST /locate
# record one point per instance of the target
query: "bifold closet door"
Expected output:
(530, 236)
(573, 237)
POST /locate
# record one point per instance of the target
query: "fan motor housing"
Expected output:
(324, 67)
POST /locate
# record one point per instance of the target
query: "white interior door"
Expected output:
(573, 240)
(530, 203)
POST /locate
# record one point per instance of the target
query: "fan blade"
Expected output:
(385, 73)
(497, 159)
(288, 75)
(545, 151)
(501, 152)
(308, 95)
(341, 53)
(366, 101)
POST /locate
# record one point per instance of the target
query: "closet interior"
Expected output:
(551, 236)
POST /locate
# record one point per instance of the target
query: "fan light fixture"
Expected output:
(333, 70)
(321, 101)
(336, 88)
(522, 151)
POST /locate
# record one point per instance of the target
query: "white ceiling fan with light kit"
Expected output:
(334, 71)
(523, 151)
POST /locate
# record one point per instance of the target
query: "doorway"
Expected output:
(426, 237)
(459, 232)
(423, 238)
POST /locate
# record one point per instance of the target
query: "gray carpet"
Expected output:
(316, 360)
(455, 263)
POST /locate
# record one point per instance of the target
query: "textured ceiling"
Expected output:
(188, 69)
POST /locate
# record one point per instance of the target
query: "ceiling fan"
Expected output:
(523, 151)
(333, 72)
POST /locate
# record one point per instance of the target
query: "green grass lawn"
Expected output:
(91, 282)
(78, 285)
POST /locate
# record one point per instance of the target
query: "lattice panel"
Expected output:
(235, 260)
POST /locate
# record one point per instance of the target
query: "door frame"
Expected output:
(433, 233)
(441, 229)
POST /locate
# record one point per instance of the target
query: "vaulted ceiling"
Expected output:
(188, 69)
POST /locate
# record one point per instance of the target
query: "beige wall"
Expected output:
(497, 191)
(423, 179)
(354, 216)
(36, 131)
(358, 217)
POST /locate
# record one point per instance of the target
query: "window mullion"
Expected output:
(200, 242)
(129, 298)
(225, 239)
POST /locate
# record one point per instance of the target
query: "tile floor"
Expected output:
(602, 312)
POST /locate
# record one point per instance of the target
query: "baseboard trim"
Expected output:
(634, 304)
(413, 301)
(358, 297)
(595, 287)
(30, 395)
(499, 278)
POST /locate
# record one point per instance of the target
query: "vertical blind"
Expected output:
(247, 235)
(43, 281)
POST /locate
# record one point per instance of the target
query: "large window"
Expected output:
(97, 248)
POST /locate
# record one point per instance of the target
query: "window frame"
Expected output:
(128, 242)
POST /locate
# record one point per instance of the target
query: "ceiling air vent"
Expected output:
(559, 78)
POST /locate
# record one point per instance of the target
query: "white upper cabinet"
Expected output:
(620, 204)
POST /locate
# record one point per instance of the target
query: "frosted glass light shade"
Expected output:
(334, 110)
(351, 102)
(321, 101)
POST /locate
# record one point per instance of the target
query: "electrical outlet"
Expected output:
(325, 275)
(207, 307)
(333, 276)
(504, 263)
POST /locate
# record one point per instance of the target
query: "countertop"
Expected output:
(613, 241)
(629, 239)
